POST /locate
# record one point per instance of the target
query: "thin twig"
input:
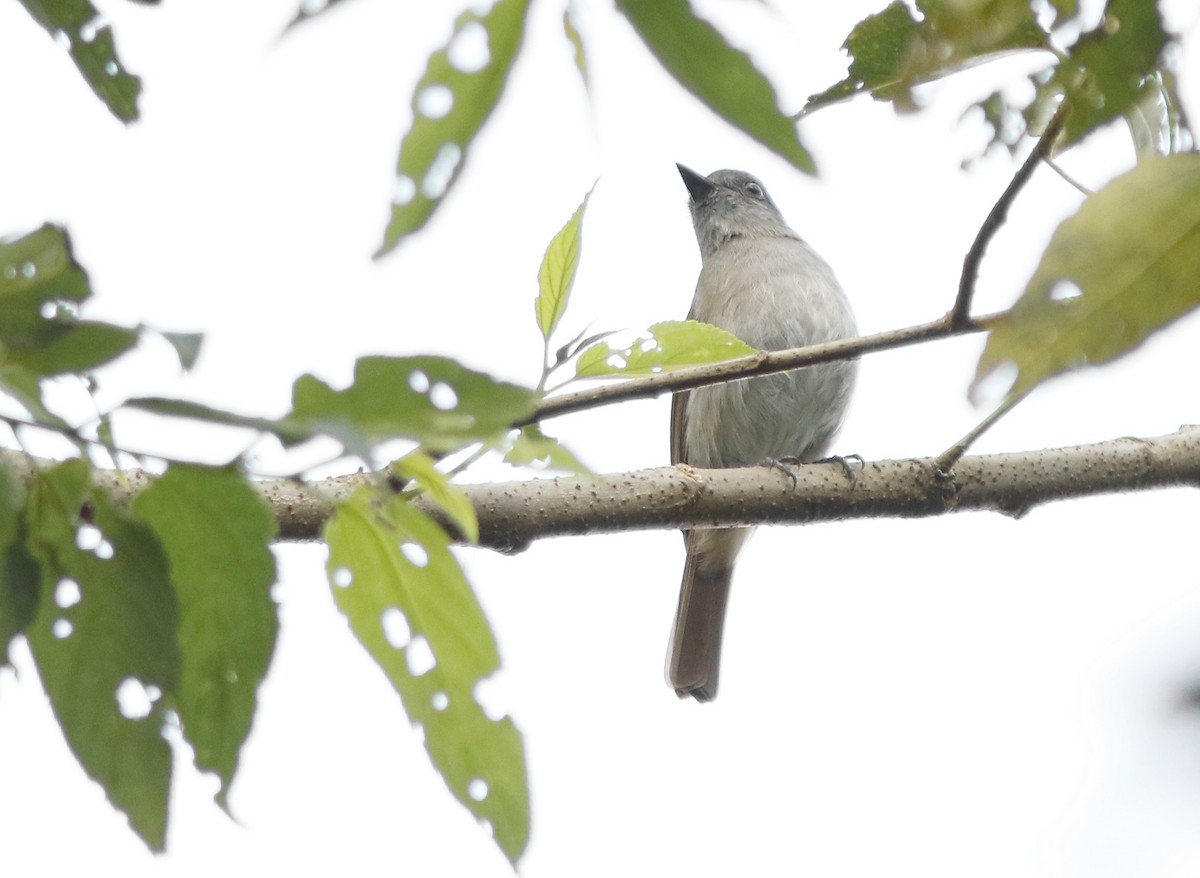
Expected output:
(948, 458)
(961, 314)
(760, 363)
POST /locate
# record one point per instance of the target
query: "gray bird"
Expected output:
(764, 284)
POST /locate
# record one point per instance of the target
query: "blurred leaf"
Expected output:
(578, 343)
(216, 531)
(41, 289)
(891, 51)
(19, 574)
(289, 432)
(724, 78)
(187, 347)
(1125, 265)
(90, 42)
(557, 273)
(432, 400)
(419, 467)
(533, 446)
(407, 601)
(1106, 72)
(104, 640)
(572, 34)
(671, 345)
(469, 74)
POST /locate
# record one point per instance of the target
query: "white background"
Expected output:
(967, 695)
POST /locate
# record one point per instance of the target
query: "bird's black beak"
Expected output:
(698, 186)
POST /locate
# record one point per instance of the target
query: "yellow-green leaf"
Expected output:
(419, 468)
(1127, 263)
(671, 345)
(557, 272)
(407, 601)
(532, 446)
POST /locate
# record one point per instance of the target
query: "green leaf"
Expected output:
(104, 640)
(471, 77)
(891, 51)
(432, 400)
(419, 468)
(216, 532)
(724, 78)
(41, 288)
(532, 446)
(1107, 71)
(19, 576)
(407, 601)
(572, 33)
(91, 46)
(672, 345)
(187, 347)
(557, 273)
(1125, 265)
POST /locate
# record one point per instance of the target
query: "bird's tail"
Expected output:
(694, 661)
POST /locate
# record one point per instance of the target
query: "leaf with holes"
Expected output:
(671, 345)
(1122, 267)
(93, 51)
(724, 78)
(469, 73)
(19, 575)
(407, 601)
(41, 287)
(432, 400)
(557, 273)
(104, 640)
(891, 51)
(216, 532)
(532, 446)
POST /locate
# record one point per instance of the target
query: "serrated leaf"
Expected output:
(556, 275)
(90, 42)
(419, 468)
(532, 446)
(1123, 266)
(407, 601)
(432, 400)
(671, 345)
(1107, 71)
(572, 34)
(891, 51)
(724, 78)
(216, 532)
(19, 576)
(471, 76)
(105, 630)
(187, 347)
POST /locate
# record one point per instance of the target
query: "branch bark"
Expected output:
(514, 514)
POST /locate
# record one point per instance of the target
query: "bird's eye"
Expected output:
(754, 190)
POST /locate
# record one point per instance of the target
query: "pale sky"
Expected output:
(967, 695)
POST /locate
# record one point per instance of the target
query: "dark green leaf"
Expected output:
(432, 400)
(1107, 71)
(407, 601)
(216, 532)
(470, 78)
(18, 571)
(671, 345)
(1125, 265)
(724, 78)
(104, 641)
(891, 51)
(532, 446)
(91, 46)
(557, 273)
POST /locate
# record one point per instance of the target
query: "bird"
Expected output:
(763, 283)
